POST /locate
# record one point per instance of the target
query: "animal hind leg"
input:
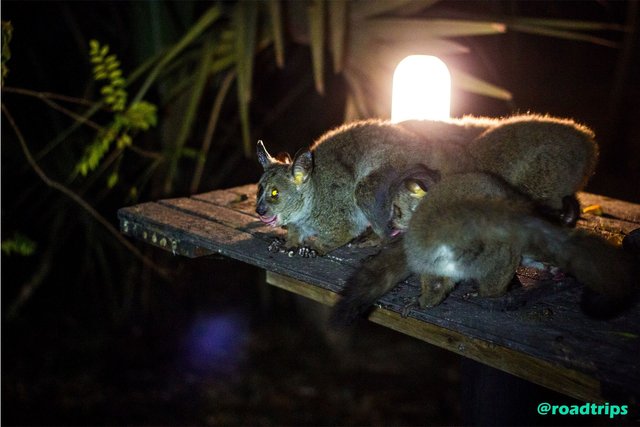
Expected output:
(495, 281)
(434, 289)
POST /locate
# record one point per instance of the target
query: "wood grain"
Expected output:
(536, 331)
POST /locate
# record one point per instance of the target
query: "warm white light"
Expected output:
(421, 89)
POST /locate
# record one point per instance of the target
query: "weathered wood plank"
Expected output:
(612, 207)
(568, 381)
(536, 331)
(134, 221)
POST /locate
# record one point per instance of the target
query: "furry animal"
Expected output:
(475, 226)
(347, 180)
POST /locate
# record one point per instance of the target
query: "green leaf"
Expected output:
(223, 90)
(413, 7)
(112, 180)
(141, 115)
(223, 63)
(369, 8)
(94, 153)
(245, 24)
(316, 13)
(19, 245)
(189, 153)
(567, 35)
(629, 335)
(208, 18)
(190, 114)
(133, 193)
(7, 33)
(108, 69)
(243, 111)
(94, 45)
(123, 141)
(568, 24)
(275, 13)
(357, 99)
(475, 85)
(338, 31)
(417, 29)
(392, 53)
(246, 27)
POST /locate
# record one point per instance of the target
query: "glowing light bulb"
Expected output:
(421, 89)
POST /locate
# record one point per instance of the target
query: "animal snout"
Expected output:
(261, 209)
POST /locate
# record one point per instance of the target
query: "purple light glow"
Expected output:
(216, 342)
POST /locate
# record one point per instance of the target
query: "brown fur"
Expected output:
(476, 227)
(347, 179)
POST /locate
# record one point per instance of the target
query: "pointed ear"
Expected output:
(302, 167)
(283, 157)
(264, 157)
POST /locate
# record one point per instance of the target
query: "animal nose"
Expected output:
(261, 210)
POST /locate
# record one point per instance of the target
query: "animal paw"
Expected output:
(434, 291)
(280, 246)
(570, 211)
(431, 299)
(365, 240)
(277, 245)
(406, 308)
(307, 252)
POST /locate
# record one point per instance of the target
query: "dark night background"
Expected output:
(98, 338)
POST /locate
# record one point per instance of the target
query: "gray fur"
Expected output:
(348, 176)
(474, 226)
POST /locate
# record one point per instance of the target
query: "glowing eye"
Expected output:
(274, 193)
(416, 188)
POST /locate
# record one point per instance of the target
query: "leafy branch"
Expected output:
(77, 199)
(138, 116)
(7, 33)
(19, 245)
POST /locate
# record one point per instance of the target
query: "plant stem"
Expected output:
(205, 20)
(211, 127)
(77, 199)
(47, 97)
(175, 149)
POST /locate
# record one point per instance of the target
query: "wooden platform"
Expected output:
(536, 331)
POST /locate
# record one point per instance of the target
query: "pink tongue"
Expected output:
(395, 232)
(268, 219)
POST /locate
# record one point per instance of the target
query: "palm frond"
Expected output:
(568, 24)
(563, 34)
(245, 25)
(473, 84)
(316, 14)
(275, 15)
(188, 119)
(369, 8)
(338, 29)
(419, 29)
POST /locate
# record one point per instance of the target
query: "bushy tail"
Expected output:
(610, 273)
(373, 279)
